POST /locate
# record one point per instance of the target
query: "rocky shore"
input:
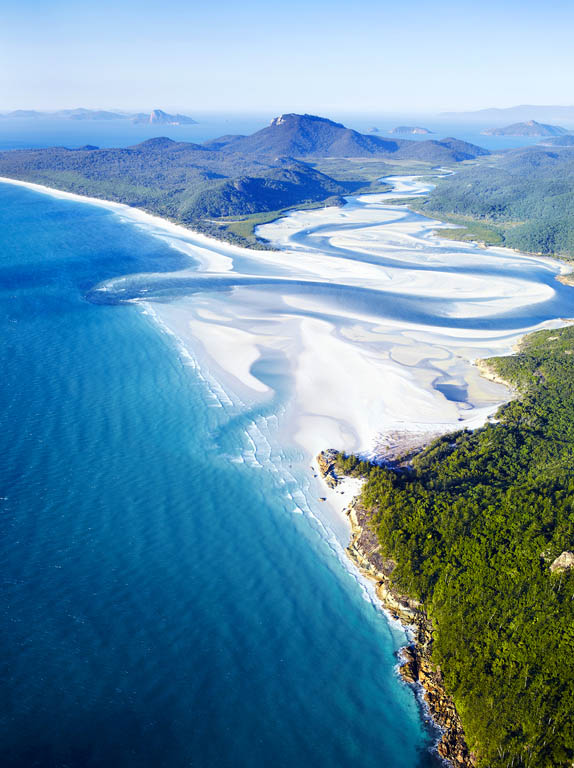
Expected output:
(416, 666)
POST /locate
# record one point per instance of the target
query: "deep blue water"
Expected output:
(161, 604)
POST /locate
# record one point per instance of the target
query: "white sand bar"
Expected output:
(362, 321)
(370, 321)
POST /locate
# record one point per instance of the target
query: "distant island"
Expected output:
(528, 128)
(413, 130)
(289, 163)
(159, 117)
(155, 117)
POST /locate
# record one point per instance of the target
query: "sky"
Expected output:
(313, 55)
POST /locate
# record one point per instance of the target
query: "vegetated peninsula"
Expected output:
(200, 185)
(474, 537)
(529, 128)
(523, 199)
(410, 129)
(155, 117)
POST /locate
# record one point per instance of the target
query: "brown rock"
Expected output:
(563, 562)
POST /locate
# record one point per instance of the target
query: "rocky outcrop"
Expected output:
(365, 551)
(452, 744)
(416, 665)
(326, 463)
(563, 562)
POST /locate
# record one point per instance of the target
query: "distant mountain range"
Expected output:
(523, 112)
(156, 117)
(529, 128)
(410, 129)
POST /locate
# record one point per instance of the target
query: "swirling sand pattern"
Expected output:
(369, 320)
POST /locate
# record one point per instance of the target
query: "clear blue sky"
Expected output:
(314, 55)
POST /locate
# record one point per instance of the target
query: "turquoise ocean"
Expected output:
(163, 604)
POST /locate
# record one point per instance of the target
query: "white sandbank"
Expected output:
(353, 367)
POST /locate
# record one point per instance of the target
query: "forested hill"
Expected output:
(196, 184)
(475, 528)
(310, 136)
(526, 196)
(183, 181)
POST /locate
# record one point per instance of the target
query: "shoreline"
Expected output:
(324, 414)
(140, 215)
(133, 213)
(416, 667)
(417, 664)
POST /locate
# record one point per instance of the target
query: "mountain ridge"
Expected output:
(301, 136)
(156, 116)
(517, 113)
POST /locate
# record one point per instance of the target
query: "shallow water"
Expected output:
(165, 602)
(366, 321)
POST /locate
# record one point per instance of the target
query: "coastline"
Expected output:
(329, 361)
(325, 415)
(416, 667)
(134, 214)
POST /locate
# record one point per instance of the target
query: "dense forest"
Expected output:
(526, 197)
(179, 180)
(474, 524)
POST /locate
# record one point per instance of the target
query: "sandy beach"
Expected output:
(362, 324)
